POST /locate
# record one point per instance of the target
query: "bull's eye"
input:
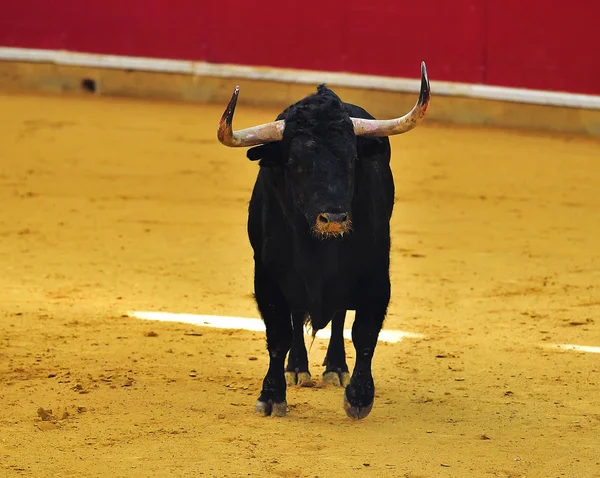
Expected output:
(296, 166)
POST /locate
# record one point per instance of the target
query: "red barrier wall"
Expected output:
(531, 44)
(544, 44)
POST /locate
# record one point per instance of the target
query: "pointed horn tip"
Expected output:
(235, 94)
(228, 113)
(425, 93)
(424, 75)
(234, 97)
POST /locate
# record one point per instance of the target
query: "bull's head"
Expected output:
(315, 145)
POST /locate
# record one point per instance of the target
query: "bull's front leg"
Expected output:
(360, 392)
(336, 369)
(296, 372)
(275, 312)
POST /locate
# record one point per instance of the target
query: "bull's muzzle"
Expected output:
(332, 224)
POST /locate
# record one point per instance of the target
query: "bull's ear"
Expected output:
(256, 153)
(373, 148)
(268, 154)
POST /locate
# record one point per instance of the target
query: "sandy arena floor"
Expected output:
(111, 206)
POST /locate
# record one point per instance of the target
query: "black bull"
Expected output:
(319, 225)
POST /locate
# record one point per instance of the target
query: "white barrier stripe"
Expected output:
(442, 88)
(252, 324)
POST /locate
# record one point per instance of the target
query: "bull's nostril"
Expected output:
(330, 219)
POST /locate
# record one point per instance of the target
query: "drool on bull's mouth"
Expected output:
(331, 229)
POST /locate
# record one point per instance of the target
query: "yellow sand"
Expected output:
(115, 205)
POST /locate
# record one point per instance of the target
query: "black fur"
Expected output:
(321, 166)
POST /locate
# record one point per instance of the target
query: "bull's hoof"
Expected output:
(356, 412)
(291, 378)
(337, 379)
(277, 409)
(302, 378)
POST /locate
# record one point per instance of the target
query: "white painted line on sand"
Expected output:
(577, 348)
(253, 324)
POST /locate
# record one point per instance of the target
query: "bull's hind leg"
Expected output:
(275, 312)
(296, 372)
(336, 368)
(360, 392)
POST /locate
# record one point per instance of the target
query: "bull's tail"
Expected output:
(310, 329)
(314, 336)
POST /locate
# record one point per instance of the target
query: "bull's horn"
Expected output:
(264, 133)
(269, 132)
(367, 127)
